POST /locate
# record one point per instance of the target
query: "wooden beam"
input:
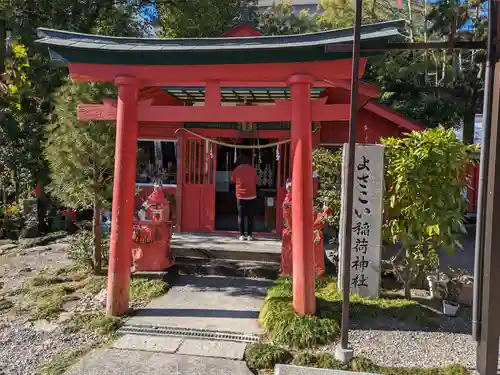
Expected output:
(383, 47)
(281, 111)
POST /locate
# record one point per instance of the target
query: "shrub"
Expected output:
(265, 356)
(81, 251)
(285, 327)
(425, 178)
(319, 360)
(328, 165)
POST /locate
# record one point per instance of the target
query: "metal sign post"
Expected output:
(343, 352)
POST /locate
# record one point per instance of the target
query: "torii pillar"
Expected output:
(127, 131)
(304, 299)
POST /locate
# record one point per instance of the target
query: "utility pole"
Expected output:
(487, 300)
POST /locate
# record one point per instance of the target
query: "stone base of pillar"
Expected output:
(343, 355)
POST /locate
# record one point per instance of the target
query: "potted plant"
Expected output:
(450, 304)
(437, 282)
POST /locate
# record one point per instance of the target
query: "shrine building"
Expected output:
(186, 106)
(202, 199)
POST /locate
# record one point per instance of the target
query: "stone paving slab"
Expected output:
(178, 345)
(228, 304)
(149, 343)
(299, 370)
(214, 348)
(135, 362)
(225, 242)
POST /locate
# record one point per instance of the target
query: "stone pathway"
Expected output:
(201, 326)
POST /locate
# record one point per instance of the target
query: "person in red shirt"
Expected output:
(245, 178)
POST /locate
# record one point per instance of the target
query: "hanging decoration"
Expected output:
(260, 152)
(278, 153)
(232, 145)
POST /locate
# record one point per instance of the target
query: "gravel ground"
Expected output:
(25, 347)
(414, 349)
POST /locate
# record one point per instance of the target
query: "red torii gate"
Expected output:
(298, 62)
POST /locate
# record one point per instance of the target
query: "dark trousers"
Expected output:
(245, 210)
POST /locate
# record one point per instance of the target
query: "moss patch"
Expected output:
(47, 301)
(94, 321)
(284, 327)
(26, 243)
(94, 284)
(265, 356)
(142, 291)
(59, 364)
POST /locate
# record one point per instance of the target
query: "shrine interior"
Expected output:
(264, 161)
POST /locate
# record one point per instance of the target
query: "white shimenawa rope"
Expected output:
(233, 145)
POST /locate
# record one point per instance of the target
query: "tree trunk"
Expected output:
(469, 122)
(407, 274)
(96, 230)
(407, 282)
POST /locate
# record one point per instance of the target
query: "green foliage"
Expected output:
(328, 165)
(336, 14)
(81, 250)
(365, 365)
(425, 178)
(286, 328)
(319, 360)
(280, 19)
(265, 356)
(28, 104)
(80, 154)
(199, 18)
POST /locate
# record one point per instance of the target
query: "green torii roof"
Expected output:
(69, 47)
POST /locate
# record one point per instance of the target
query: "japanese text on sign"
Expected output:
(366, 219)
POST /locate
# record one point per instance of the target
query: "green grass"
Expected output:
(284, 327)
(94, 321)
(264, 356)
(46, 293)
(360, 364)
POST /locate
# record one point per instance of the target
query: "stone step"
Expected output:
(222, 267)
(272, 254)
(299, 370)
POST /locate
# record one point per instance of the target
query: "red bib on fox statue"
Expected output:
(286, 268)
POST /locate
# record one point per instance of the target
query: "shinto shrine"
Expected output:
(193, 103)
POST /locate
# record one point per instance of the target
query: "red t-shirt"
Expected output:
(246, 180)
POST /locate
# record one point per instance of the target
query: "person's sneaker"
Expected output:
(242, 238)
(250, 238)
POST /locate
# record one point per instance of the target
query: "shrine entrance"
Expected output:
(289, 73)
(267, 162)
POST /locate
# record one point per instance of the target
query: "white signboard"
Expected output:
(366, 231)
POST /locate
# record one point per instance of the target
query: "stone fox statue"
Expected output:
(286, 247)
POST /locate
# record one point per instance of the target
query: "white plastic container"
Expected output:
(450, 308)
